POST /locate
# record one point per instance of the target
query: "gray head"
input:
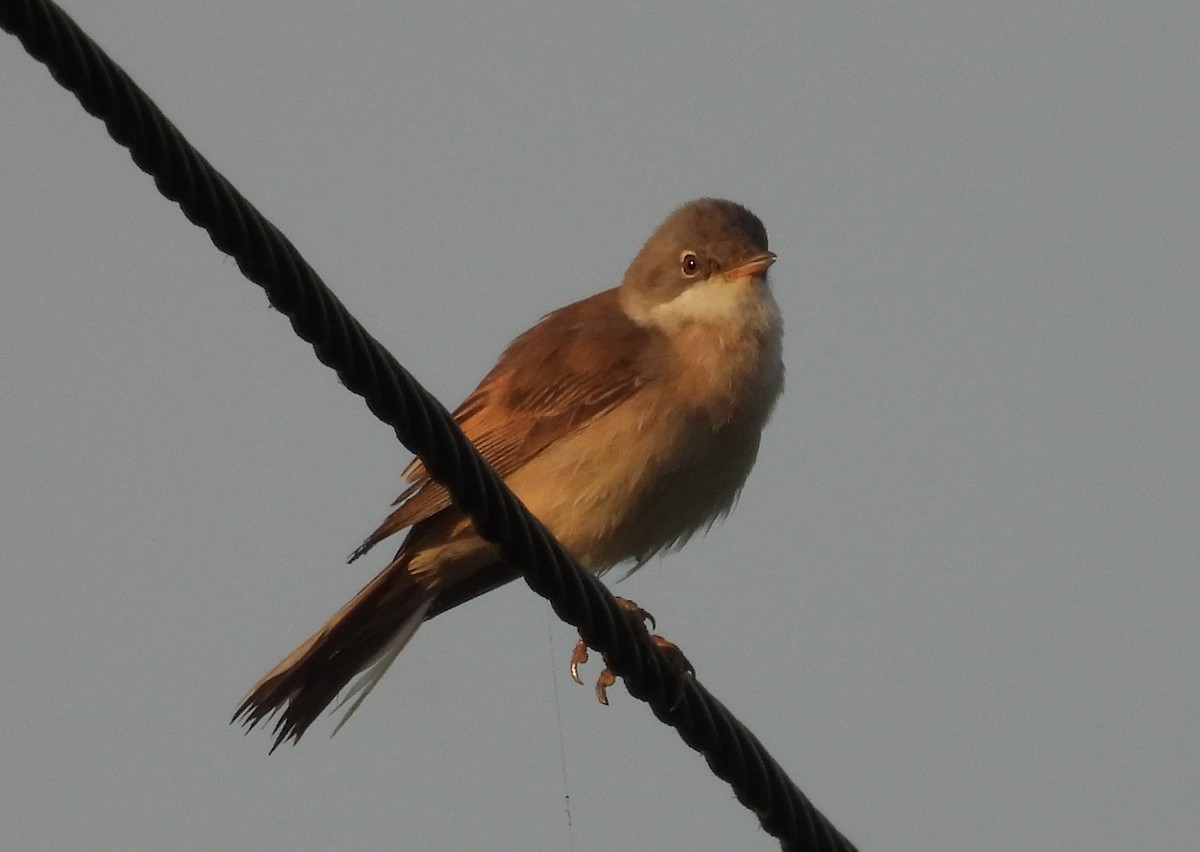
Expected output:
(703, 240)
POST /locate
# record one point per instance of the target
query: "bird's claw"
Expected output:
(607, 678)
(578, 656)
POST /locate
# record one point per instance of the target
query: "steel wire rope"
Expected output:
(421, 423)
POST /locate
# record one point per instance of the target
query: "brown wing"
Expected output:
(573, 366)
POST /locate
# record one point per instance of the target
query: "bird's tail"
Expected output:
(363, 638)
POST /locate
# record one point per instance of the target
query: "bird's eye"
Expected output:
(689, 263)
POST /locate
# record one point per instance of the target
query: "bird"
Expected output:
(626, 422)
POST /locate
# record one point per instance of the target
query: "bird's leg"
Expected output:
(638, 617)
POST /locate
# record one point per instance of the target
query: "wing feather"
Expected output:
(598, 359)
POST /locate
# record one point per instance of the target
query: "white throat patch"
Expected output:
(734, 303)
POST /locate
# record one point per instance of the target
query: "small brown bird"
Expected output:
(625, 422)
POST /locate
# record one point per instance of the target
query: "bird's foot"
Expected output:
(638, 617)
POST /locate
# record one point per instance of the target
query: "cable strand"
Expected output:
(420, 422)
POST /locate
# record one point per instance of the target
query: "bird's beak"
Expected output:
(751, 268)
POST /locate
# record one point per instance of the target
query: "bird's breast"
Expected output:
(670, 459)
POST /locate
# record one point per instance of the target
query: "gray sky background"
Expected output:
(958, 599)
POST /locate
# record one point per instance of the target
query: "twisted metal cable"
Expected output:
(269, 259)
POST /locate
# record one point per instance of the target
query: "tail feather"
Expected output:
(364, 636)
(378, 667)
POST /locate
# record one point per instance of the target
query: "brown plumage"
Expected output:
(514, 414)
(579, 419)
